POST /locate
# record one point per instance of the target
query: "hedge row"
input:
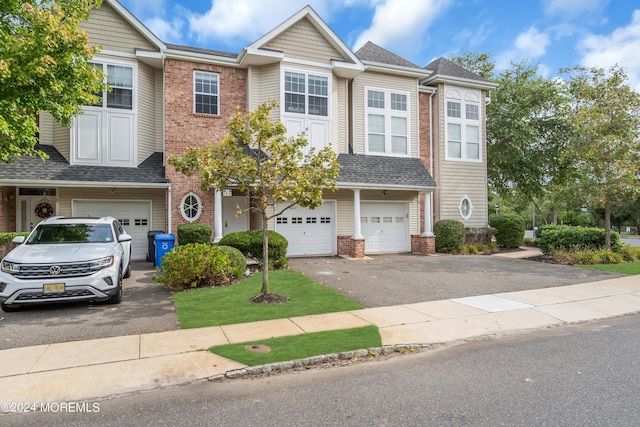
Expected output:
(565, 237)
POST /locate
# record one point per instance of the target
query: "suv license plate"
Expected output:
(54, 288)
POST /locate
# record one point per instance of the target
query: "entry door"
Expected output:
(230, 223)
(27, 213)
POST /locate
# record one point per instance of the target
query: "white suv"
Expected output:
(66, 259)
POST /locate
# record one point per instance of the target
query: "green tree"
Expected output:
(279, 175)
(43, 67)
(479, 63)
(606, 143)
(527, 130)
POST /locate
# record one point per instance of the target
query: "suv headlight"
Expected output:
(10, 267)
(99, 264)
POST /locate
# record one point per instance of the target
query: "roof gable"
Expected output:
(447, 71)
(312, 18)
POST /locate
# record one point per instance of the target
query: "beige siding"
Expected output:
(159, 112)
(156, 196)
(340, 115)
(62, 140)
(385, 82)
(146, 112)
(304, 41)
(265, 86)
(46, 123)
(108, 29)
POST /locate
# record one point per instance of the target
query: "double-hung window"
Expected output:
(463, 137)
(206, 93)
(120, 79)
(306, 94)
(387, 122)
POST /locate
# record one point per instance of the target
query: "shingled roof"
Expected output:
(442, 67)
(202, 51)
(56, 168)
(371, 52)
(384, 171)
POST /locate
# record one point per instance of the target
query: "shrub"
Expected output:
(576, 238)
(509, 230)
(237, 259)
(630, 253)
(530, 241)
(250, 244)
(449, 235)
(6, 238)
(194, 233)
(196, 265)
(474, 236)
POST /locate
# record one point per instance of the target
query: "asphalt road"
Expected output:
(146, 307)
(579, 375)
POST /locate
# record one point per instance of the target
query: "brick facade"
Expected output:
(423, 244)
(348, 246)
(185, 129)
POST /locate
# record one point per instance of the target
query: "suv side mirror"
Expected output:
(124, 237)
(18, 240)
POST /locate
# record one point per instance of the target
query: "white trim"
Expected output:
(200, 207)
(387, 113)
(462, 215)
(463, 122)
(217, 95)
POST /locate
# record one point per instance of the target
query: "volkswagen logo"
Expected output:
(54, 270)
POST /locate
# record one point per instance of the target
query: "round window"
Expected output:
(466, 208)
(191, 207)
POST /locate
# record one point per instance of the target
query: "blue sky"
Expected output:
(552, 33)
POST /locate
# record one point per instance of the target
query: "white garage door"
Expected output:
(134, 217)
(309, 232)
(385, 227)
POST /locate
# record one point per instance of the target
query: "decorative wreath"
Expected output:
(44, 210)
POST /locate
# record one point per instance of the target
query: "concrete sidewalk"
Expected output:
(83, 370)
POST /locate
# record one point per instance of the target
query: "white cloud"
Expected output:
(530, 45)
(167, 31)
(396, 21)
(573, 8)
(621, 47)
(249, 19)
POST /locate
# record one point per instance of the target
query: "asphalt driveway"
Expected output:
(146, 307)
(395, 279)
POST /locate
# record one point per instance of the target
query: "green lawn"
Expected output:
(301, 346)
(231, 304)
(626, 268)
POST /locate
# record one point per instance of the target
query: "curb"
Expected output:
(273, 368)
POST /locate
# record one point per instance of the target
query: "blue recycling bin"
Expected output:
(164, 244)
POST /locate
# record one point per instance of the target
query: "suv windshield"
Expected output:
(70, 233)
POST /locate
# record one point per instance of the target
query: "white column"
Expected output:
(356, 215)
(217, 216)
(428, 214)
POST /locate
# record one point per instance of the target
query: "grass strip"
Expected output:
(625, 268)
(226, 305)
(302, 346)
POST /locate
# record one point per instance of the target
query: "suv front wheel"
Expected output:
(117, 297)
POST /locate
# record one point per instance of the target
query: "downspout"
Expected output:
(430, 195)
(169, 219)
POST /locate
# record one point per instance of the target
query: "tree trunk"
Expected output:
(265, 256)
(555, 216)
(607, 222)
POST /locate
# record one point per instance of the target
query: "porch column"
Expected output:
(217, 216)
(428, 215)
(357, 228)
